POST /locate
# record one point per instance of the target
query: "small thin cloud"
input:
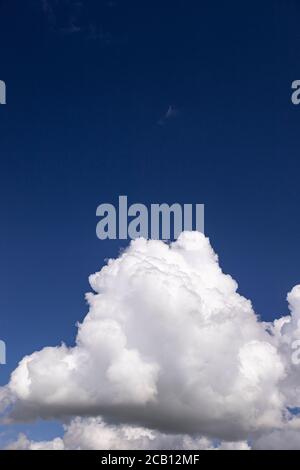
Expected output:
(171, 113)
(63, 16)
(70, 17)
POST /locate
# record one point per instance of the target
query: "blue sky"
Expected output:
(88, 87)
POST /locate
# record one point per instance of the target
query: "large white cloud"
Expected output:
(169, 345)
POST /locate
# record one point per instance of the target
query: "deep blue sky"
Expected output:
(86, 88)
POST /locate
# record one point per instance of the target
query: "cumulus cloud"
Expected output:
(94, 434)
(23, 443)
(279, 439)
(168, 347)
